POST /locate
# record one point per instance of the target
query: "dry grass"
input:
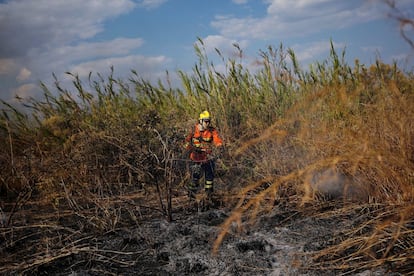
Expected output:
(334, 132)
(359, 151)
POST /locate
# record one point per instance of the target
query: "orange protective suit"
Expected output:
(200, 143)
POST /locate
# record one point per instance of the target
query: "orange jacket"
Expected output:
(200, 142)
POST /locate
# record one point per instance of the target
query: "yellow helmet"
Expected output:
(204, 115)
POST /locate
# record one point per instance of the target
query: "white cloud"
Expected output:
(41, 37)
(286, 18)
(45, 24)
(309, 51)
(65, 57)
(24, 74)
(246, 28)
(299, 7)
(89, 50)
(123, 65)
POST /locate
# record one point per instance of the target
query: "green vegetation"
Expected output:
(110, 140)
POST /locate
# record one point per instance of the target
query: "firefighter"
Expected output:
(203, 144)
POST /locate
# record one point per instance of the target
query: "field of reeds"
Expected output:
(105, 153)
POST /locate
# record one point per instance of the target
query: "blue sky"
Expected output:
(42, 37)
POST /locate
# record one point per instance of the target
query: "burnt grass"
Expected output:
(129, 238)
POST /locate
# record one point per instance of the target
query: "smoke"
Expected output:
(334, 184)
(329, 182)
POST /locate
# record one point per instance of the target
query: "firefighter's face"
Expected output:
(206, 122)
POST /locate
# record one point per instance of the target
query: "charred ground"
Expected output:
(45, 241)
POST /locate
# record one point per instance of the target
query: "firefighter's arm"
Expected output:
(218, 142)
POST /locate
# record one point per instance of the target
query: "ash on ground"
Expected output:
(279, 243)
